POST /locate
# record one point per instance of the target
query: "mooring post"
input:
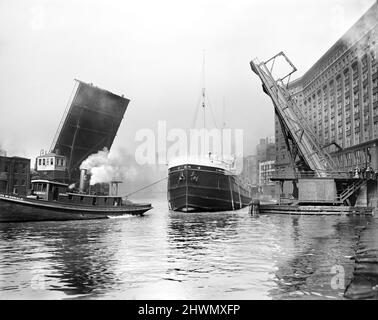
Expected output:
(254, 209)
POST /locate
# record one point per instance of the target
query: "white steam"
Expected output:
(359, 30)
(105, 166)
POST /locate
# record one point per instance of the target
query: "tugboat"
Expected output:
(51, 200)
(89, 124)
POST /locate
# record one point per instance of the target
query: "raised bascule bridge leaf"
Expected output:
(89, 124)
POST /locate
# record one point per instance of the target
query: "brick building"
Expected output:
(14, 175)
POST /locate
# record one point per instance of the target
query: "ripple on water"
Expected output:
(163, 255)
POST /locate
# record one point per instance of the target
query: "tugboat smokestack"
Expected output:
(83, 173)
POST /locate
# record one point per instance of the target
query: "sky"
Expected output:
(152, 52)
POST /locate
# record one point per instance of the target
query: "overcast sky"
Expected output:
(151, 51)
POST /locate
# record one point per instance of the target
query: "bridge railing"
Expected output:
(367, 175)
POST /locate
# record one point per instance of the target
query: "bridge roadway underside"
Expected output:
(367, 195)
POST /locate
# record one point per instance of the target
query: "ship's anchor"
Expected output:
(182, 177)
(193, 177)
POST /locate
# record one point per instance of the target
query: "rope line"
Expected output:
(145, 187)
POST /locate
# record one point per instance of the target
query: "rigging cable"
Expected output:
(145, 187)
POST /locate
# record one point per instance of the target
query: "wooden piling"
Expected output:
(364, 284)
(254, 208)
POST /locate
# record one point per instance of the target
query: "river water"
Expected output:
(166, 255)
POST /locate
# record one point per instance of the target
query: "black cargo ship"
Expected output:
(205, 185)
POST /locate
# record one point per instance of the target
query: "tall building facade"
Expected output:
(266, 155)
(250, 169)
(266, 172)
(338, 96)
(266, 149)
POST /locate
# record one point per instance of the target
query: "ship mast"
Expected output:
(203, 99)
(223, 127)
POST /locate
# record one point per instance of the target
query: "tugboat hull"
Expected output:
(193, 188)
(18, 209)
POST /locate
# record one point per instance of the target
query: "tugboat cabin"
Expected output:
(57, 191)
(90, 200)
(47, 190)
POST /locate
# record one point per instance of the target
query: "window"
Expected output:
(44, 162)
(52, 161)
(375, 129)
(40, 162)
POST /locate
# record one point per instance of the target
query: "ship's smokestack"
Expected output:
(83, 173)
(113, 187)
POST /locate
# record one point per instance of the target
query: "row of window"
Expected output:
(21, 182)
(18, 167)
(336, 64)
(356, 109)
(355, 84)
(347, 99)
(50, 161)
(353, 158)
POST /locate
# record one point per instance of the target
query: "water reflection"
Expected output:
(73, 255)
(319, 243)
(83, 262)
(216, 253)
(166, 255)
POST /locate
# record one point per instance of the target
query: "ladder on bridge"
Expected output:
(344, 196)
(304, 142)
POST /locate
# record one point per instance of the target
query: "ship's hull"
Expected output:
(193, 188)
(18, 209)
